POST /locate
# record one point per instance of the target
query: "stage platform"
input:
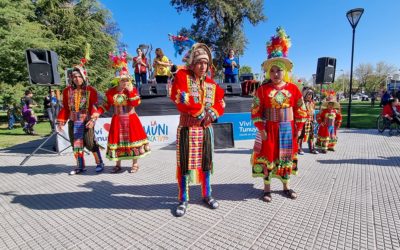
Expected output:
(156, 106)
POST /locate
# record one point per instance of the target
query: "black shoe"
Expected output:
(211, 202)
(181, 209)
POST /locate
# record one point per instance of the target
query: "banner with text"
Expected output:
(160, 130)
(243, 128)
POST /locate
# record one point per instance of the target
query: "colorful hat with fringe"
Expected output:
(199, 51)
(277, 51)
(80, 68)
(330, 98)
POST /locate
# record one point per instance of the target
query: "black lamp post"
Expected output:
(353, 16)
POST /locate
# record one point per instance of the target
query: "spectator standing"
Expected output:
(140, 65)
(231, 65)
(50, 105)
(27, 112)
(161, 66)
(385, 98)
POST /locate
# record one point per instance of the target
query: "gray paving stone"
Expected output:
(348, 199)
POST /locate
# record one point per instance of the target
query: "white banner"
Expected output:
(160, 130)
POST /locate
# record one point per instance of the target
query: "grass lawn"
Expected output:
(16, 136)
(362, 114)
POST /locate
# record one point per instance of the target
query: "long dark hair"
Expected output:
(161, 52)
(143, 55)
(83, 78)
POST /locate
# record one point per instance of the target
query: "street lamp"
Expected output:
(342, 80)
(353, 16)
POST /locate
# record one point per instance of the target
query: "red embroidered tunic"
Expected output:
(127, 138)
(281, 113)
(331, 119)
(194, 100)
(78, 104)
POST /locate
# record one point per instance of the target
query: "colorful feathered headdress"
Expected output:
(330, 97)
(277, 52)
(119, 62)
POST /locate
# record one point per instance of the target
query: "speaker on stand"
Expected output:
(326, 68)
(325, 74)
(42, 69)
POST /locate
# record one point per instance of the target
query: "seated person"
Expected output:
(391, 111)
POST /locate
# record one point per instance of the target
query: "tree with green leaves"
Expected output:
(18, 32)
(219, 23)
(245, 69)
(64, 26)
(75, 24)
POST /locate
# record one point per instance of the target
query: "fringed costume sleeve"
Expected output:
(133, 98)
(338, 121)
(93, 100)
(106, 105)
(217, 109)
(257, 110)
(63, 115)
(299, 109)
(186, 101)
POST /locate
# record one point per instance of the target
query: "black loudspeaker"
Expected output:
(326, 68)
(223, 135)
(231, 88)
(42, 67)
(149, 90)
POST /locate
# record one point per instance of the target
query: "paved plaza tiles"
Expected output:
(348, 199)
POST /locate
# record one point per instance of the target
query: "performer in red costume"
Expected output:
(200, 102)
(127, 139)
(279, 114)
(79, 103)
(329, 120)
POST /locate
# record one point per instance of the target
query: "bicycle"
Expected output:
(382, 123)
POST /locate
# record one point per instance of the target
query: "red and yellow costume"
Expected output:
(195, 100)
(78, 106)
(281, 113)
(127, 138)
(329, 120)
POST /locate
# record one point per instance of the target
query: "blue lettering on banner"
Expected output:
(243, 127)
(98, 132)
(157, 132)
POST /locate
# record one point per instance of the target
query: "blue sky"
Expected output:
(317, 29)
